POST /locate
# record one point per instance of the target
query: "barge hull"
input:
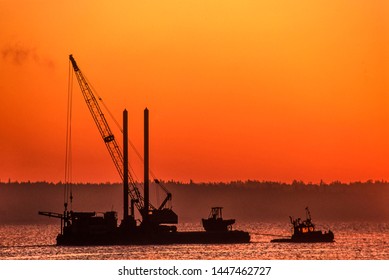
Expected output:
(190, 237)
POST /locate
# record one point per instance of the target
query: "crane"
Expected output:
(160, 215)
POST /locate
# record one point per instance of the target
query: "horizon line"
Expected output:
(293, 182)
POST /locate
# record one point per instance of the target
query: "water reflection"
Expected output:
(352, 241)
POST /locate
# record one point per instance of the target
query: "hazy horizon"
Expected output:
(245, 201)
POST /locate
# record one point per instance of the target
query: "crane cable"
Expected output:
(111, 115)
(68, 149)
(129, 141)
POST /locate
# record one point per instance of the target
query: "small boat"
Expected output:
(304, 231)
(215, 221)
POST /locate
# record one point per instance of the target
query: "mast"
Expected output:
(146, 166)
(125, 165)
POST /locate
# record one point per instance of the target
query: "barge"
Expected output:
(157, 224)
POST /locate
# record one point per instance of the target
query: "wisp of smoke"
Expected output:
(19, 55)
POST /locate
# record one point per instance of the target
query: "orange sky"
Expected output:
(266, 90)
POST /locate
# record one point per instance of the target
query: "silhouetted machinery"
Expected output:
(160, 215)
(90, 228)
(152, 217)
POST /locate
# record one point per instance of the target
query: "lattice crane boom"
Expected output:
(157, 215)
(105, 132)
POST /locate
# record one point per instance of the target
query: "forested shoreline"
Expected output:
(244, 200)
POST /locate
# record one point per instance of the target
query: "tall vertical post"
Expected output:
(125, 165)
(146, 165)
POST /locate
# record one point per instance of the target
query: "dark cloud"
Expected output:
(19, 54)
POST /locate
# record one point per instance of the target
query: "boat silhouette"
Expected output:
(215, 221)
(304, 231)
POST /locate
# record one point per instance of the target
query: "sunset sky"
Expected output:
(237, 90)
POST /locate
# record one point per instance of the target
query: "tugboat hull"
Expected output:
(311, 237)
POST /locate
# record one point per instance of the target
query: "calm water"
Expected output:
(354, 241)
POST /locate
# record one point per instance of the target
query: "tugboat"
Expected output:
(215, 221)
(304, 231)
